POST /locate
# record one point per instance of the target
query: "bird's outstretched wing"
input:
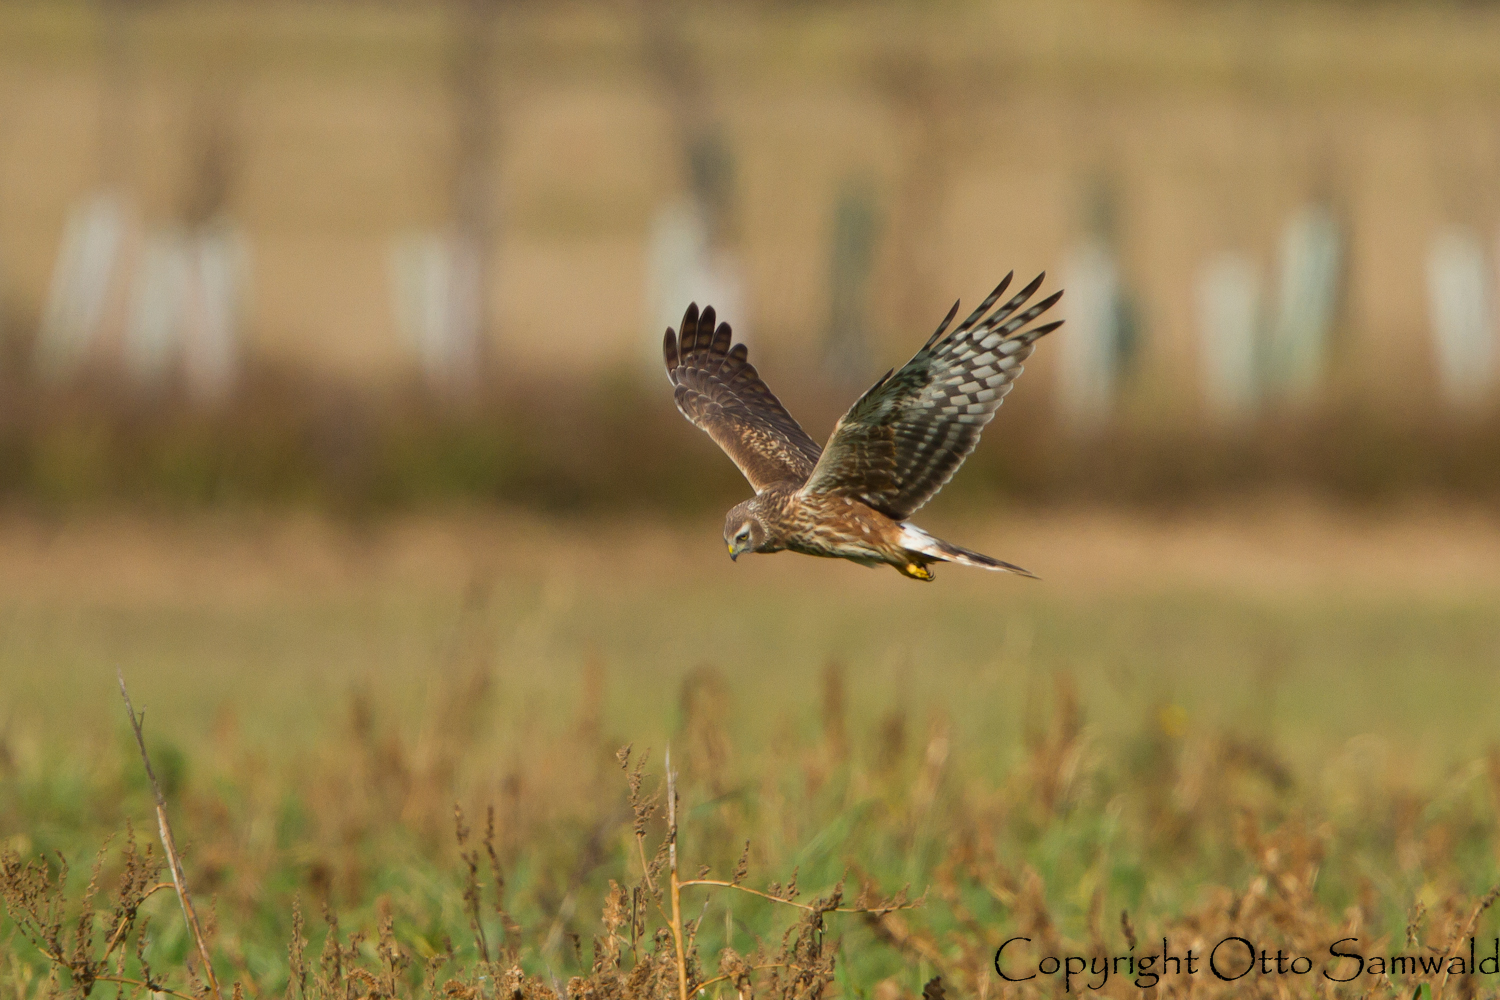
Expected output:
(907, 436)
(721, 392)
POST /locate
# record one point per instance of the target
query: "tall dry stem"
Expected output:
(169, 845)
(682, 989)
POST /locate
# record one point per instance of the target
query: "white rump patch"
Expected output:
(917, 540)
(914, 539)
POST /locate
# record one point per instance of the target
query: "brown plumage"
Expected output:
(895, 448)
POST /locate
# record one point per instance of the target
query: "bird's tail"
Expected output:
(914, 539)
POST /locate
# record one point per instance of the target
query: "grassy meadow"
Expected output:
(1275, 722)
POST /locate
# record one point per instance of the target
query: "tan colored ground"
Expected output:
(1290, 549)
(1302, 624)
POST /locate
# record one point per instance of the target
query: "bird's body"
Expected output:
(895, 448)
(822, 525)
(844, 528)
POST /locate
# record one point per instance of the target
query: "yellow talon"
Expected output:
(917, 572)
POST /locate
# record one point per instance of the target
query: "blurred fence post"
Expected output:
(186, 304)
(1092, 353)
(1461, 303)
(91, 267)
(691, 246)
(922, 107)
(1229, 334)
(435, 280)
(88, 270)
(1311, 262)
(856, 225)
(684, 267)
(469, 329)
(219, 264)
(153, 329)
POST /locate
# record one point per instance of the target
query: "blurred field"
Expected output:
(332, 417)
(985, 131)
(1181, 714)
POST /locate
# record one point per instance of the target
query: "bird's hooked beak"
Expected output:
(739, 542)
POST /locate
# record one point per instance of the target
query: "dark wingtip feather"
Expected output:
(1043, 330)
(718, 347)
(669, 351)
(1049, 301)
(943, 325)
(1016, 301)
(688, 332)
(1000, 288)
(984, 307)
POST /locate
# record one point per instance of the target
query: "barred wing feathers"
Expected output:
(721, 392)
(905, 438)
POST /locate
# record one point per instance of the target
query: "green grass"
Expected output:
(318, 699)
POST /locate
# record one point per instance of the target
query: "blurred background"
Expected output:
(332, 412)
(238, 239)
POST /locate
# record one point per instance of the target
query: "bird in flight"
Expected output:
(895, 448)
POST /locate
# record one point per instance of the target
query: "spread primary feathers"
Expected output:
(896, 447)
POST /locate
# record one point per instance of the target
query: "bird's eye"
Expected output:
(744, 534)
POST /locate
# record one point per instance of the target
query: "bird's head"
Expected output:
(743, 530)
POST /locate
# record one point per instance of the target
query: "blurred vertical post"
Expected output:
(1461, 302)
(217, 253)
(187, 288)
(85, 273)
(471, 310)
(1229, 330)
(187, 298)
(433, 309)
(87, 276)
(1101, 331)
(691, 251)
(1311, 263)
(442, 280)
(154, 328)
(856, 225)
(908, 81)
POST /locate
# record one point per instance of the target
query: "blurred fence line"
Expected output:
(1301, 202)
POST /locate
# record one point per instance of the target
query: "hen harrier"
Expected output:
(895, 448)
